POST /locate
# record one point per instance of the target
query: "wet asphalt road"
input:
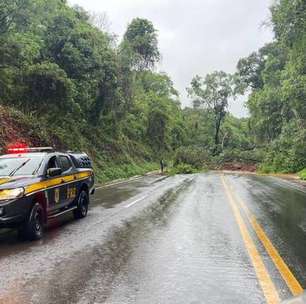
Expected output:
(202, 238)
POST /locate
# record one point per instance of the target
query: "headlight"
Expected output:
(9, 194)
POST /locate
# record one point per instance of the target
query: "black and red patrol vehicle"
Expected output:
(38, 184)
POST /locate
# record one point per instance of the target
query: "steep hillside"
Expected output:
(16, 127)
(115, 160)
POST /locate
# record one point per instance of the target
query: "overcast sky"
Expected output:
(195, 36)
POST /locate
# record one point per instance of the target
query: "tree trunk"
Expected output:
(218, 125)
(223, 139)
(219, 118)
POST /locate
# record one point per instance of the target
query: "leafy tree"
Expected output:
(253, 70)
(159, 83)
(289, 20)
(249, 71)
(47, 87)
(213, 93)
(276, 77)
(199, 124)
(8, 12)
(140, 40)
(157, 128)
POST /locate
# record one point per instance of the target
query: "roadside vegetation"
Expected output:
(302, 174)
(66, 81)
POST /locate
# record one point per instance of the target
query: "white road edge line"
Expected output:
(118, 183)
(136, 201)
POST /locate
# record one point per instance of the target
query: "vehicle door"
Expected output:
(69, 190)
(54, 185)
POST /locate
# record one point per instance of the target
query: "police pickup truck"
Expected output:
(39, 184)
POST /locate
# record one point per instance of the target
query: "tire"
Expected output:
(82, 205)
(33, 229)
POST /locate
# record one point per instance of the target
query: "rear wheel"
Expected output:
(33, 229)
(82, 205)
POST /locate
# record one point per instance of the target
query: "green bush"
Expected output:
(302, 174)
(287, 154)
(266, 168)
(183, 169)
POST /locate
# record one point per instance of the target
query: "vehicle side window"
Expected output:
(52, 163)
(65, 163)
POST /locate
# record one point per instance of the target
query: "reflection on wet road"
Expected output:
(203, 238)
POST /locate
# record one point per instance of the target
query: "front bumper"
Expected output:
(11, 222)
(14, 212)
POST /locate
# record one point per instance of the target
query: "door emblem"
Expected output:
(57, 196)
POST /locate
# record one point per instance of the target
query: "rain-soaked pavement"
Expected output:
(202, 238)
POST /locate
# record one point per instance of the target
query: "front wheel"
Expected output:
(33, 229)
(82, 205)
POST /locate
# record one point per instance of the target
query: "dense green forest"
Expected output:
(275, 76)
(66, 82)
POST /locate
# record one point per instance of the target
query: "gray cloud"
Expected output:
(195, 36)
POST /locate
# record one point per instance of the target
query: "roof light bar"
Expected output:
(16, 150)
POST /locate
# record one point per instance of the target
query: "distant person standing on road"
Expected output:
(162, 166)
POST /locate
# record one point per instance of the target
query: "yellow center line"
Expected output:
(280, 264)
(263, 276)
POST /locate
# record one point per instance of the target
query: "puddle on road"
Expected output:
(109, 198)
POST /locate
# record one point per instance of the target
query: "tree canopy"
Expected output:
(83, 89)
(213, 93)
(141, 39)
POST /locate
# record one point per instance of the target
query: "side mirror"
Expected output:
(54, 172)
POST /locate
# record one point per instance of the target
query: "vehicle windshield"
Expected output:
(19, 166)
